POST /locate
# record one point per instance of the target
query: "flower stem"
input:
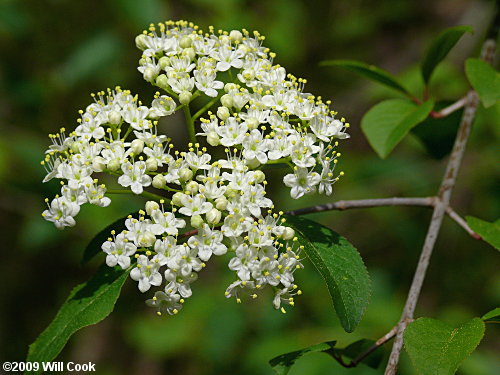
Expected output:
(145, 194)
(190, 124)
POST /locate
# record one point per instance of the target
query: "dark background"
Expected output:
(54, 53)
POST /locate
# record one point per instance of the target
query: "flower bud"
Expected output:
(185, 97)
(223, 113)
(164, 62)
(146, 239)
(177, 199)
(224, 39)
(252, 123)
(231, 193)
(114, 117)
(151, 206)
(114, 165)
(236, 35)
(213, 216)
(221, 203)
(196, 221)
(189, 53)
(192, 187)
(226, 100)
(252, 164)
(141, 41)
(288, 233)
(98, 164)
(149, 74)
(75, 146)
(213, 139)
(162, 81)
(230, 87)
(186, 42)
(151, 164)
(137, 146)
(159, 181)
(259, 176)
(185, 174)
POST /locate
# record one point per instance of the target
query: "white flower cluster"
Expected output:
(203, 206)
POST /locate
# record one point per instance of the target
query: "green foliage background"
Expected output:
(54, 53)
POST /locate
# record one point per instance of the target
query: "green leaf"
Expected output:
(440, 47)
(437, 348)
(492, 317)
(353, 350)
(282, 363)
(484, 79)
(438, 134)
(369, 71)
(94, 246)
(490, 232)
(388, 122)
(340, 265)
(87, 304)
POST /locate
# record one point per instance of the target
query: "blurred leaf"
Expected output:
(490, 232)
(484, 79)
(87, 304)
(94, 246)
(388, 122)
(438, 134)
(493, 316)
(340, 265)
(353, 350)
(369, 71)
(437, 348)
(95, 56)
(141, 13)
(284, 362)
(440, 47)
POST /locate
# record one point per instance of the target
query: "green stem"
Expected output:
(144, 194)
(205, 107)
(190, 124)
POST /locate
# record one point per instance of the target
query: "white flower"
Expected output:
(227, 58)
(302, 182)
(195, 205)
(119, 251)
(166, 222)
(179, 284)
(134, 175)
(61, 212)
(146, 273)
(205, 82)
(165, 303)
(207, 242)
(232, 132)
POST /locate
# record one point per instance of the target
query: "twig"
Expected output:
(395, 201)
(440, 209)
(450, 109)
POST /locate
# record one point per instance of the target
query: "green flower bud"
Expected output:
(223, 113)
(196, 221)
(141, 41)
(259, 177)
(164, 62)
(230, 87)
(151, 206)
(213, 216)
(159, 181)
(221, 203)
(213, 139)
(98, 164)
(185, 97)
(236, 35)
(190, 53)
(114, 117)
(114, 165)
(137, 146)
(185, 174)
(151, 165)
(186, 42)
(252, 123)
(192, 187)
(177, 199)
(226, 101)
(149, 74)
(162, 81)
(288, 234)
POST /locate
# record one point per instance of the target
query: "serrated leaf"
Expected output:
(388, 122)
(440, 47)
(437, 348)
(492, 316)
(438, 134)
(94, 246)
(282, 363)
(340, 265)
(370, 71)
(87, 304)
(484, 79)
(490, 232)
